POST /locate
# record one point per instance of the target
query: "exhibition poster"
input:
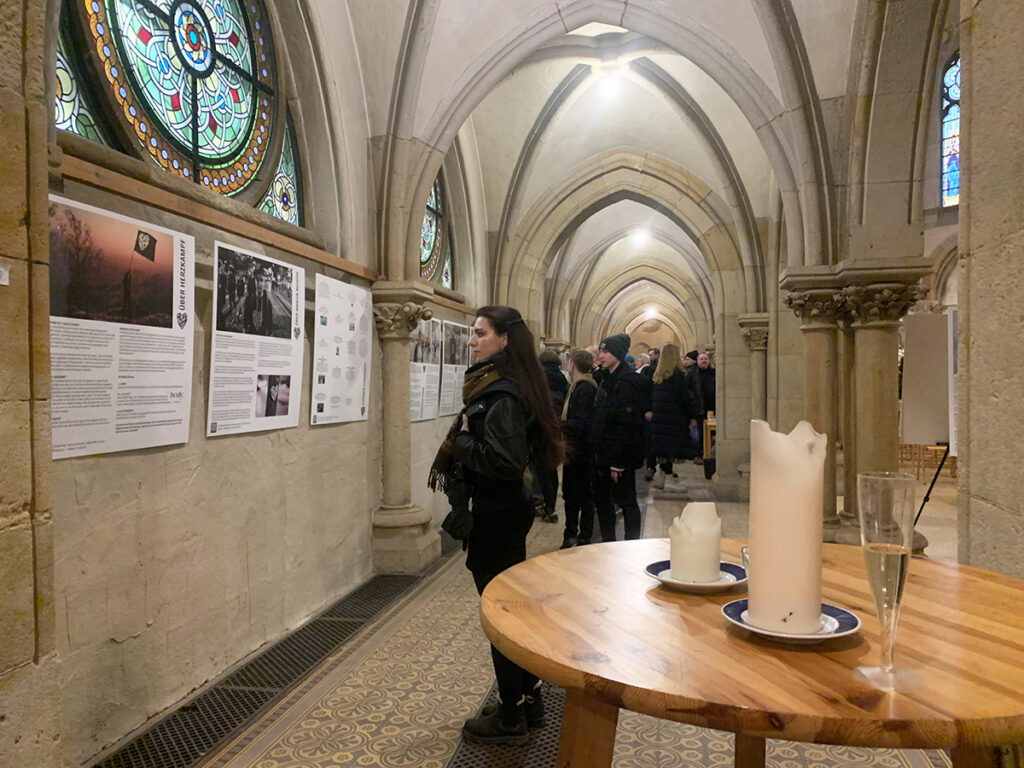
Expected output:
(424, 369)
(455, 359)
(256, 347)
(121, 331)
(341, 352)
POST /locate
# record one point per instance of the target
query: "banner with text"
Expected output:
(342, 340)
(256, 347)
(453, 369)
(121, 331)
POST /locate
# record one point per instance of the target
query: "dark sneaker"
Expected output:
(568, 542)
(549, 517)
(648, 475)
(502, 725)
(534, 711)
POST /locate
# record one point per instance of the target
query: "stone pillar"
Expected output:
(30, 693)
(755, 333)
(849, 511)
(991, 295)
(403, 539)
(875, 311)
(819, 315)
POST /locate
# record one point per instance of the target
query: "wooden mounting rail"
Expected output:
(112, 181)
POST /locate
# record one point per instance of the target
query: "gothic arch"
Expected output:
(577, 286)
(610, 177)
(789, 134)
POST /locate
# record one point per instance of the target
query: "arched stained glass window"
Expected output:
(436, 257)
(283, 197)
(951, 132)
(193, 79)
(72, 112)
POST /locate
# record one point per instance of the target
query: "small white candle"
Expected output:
(787, 474)
(696, 544)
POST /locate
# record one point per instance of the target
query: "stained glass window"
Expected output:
(435, 239)
(282, 199)
(195, 81)
(951, 132)
(72, 111)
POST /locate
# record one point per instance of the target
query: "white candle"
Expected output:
(696, 543)
(787, 474)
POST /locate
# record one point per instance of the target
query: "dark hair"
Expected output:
(518, 362)
(549, 356)
(582, 360)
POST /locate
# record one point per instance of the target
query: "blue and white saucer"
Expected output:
(835, 622)
(729, 575)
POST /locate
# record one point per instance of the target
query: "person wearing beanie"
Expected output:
(617, 438)
(617, 345)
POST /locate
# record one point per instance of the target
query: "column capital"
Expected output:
(818, 308)
(880, 303)
(755, 331)
(396, 321)
(556, 345)
(398, 307)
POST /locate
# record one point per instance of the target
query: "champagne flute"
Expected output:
(885, 504)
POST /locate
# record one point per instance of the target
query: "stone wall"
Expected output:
(991, 511)
(174, 563)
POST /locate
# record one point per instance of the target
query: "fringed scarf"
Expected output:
(568, 397)
(443, 468)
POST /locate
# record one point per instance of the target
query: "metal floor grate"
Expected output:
(540, 752)
(191, 731)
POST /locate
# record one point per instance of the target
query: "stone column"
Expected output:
(755, 333)
(30, 676)
(819, 314)
(849, 511)
(875, 312)
(403, 539)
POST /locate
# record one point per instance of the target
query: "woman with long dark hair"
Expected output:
(507, 421)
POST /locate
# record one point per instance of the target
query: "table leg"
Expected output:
(588, 731)
(749, 751)
(976, 757)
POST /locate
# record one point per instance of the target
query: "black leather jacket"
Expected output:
(494, 453)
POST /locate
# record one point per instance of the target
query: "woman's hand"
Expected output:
(465, 423)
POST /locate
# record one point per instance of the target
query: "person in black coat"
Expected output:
(559, 388)
(617, 437)
(507, 418)
(673, 409)
(577, 414)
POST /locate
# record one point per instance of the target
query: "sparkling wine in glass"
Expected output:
(885, 503)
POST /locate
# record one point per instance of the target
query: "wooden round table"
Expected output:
(589, 619)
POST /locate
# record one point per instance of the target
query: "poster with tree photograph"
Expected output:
(121, 331)
(257, 340)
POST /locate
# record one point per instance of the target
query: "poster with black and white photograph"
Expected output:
(455, 360)
(256, 347)
(342, 329)
(424, 369)
(121, 331)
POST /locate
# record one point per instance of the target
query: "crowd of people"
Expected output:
(601, 421)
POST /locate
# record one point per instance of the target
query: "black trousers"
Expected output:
(579, 501)
(623, 493)
(513, 680)
(548, 487)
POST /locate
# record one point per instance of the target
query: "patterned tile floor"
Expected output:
(397, 696)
